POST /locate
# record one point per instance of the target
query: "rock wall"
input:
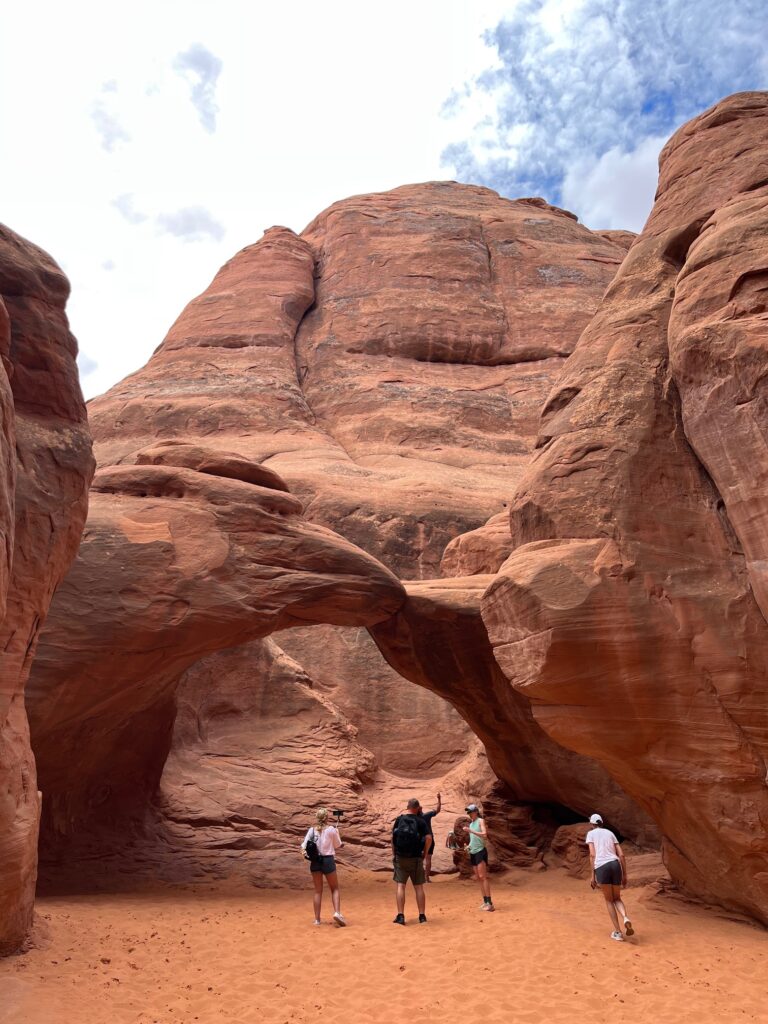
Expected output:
(388, 364)
(45, 466)
(185, 553)
(631, 610)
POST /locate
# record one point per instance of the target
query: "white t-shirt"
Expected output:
(605, 843)
(328, 840)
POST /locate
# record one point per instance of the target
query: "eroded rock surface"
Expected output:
(439, 641)
(629, 613)
(177, 562)
(45, 466)
(388, 365)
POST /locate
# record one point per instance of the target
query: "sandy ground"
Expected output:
(180, 956)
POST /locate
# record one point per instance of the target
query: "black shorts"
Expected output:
(481, 857)
(609, 874)
(325, 864)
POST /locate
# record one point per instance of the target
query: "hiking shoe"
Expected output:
(422, 918)
(617, 936)
(400, 919)
(628, 926)
(339, 920)
(488, 906)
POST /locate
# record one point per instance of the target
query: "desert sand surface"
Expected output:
(176, 956)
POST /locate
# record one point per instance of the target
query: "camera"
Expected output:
(338, 814)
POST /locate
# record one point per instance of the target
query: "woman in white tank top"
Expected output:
(328, 841)
(609, 871)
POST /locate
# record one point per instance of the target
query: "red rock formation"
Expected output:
(389, 365)
(45, 465)
(628, 612)
(438, 640)
(176, 562)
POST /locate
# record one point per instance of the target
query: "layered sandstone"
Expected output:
(629, 612)
(45, 465)
(388, 365)
(439, 641)
(184, 554)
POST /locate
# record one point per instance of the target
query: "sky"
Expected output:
(143, 151)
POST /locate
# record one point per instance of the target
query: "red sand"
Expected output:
(180, 956)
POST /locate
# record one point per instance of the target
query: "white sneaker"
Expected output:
(487, 906)
(617, 936)
(317, 922)
(339, 920)
(628, 926)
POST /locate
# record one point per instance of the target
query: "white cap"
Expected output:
(471, 807)
(596, 820)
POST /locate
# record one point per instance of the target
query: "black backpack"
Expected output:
(408, 838)
(311, 851)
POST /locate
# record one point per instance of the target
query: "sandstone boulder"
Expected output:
(45, 466)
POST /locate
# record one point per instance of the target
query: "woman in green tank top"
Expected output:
(478, 854)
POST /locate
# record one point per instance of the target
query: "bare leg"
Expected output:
(333, 884)
(420, 899)
(428, 857)
(317, 896)
(482, 877)
(608, 894)
(618, 902)
(400, 898)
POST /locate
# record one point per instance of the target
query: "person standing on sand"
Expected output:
(609, 871)
(478, 854)
(327, 840)
(409, 844)
(427, 817)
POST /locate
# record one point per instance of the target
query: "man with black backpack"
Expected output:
(409, 835)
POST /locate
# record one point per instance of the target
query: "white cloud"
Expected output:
(201, 69)
(193, 224)
(108, 127)
(86, 365)
(125, 205)
(578, 86)
(617, 189)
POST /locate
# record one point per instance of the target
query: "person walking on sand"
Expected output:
(478, 853)
(427, 817)
(609, 871)
(409, 836)
(320, 845)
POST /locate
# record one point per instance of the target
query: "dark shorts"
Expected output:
(609, 874)
(409, 867)
(325, 864)
(481, 857)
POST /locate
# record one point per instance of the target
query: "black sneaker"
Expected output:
(400, 919)
(422, 918)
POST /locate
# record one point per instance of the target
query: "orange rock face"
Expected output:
(438, 640)
(45, 466)
(177, 561)
(629, 612)
(388, 365)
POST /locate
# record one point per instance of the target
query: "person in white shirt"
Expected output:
(327, 840)
(609, 871)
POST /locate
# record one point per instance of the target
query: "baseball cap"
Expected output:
(596, 820)
(471, 807)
